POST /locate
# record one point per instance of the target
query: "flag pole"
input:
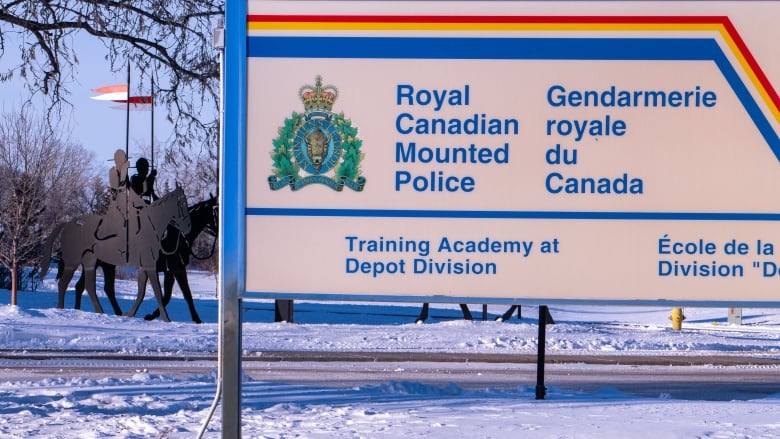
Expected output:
(152, 123)
(127, 114)
(127, 156)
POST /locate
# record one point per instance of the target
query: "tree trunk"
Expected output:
(13, 283)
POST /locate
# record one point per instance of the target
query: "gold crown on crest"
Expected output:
(318, 97)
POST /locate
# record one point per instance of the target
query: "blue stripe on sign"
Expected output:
(594, 49)
(690, 49)
(532, 215)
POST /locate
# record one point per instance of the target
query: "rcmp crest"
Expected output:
(320, 144)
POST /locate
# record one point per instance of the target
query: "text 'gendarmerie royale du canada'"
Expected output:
(428, 113)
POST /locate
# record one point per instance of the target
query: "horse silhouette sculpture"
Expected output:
(109, 275)
(133, 239)
(174, 258)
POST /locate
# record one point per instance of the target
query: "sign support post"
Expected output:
(232, 222)
(544, 319)
(381, 151)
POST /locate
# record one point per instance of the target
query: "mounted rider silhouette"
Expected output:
(123, 218)
(142, 182)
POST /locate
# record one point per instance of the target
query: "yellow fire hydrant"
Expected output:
(677, 318)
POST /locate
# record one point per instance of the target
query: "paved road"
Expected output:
(731, 377)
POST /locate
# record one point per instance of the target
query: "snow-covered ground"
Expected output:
(145, 405)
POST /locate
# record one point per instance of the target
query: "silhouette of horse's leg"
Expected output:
(142, 276)
(89, 273)
(179, 276)
(155, 281)
(109, 278)
(79, 291)
(65, 275)
(184, 286)
(168, 280)
(109, 275)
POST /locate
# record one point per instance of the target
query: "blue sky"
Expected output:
(93, 123)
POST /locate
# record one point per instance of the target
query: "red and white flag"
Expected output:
(137, 103)
(118, 93)
(111, 92)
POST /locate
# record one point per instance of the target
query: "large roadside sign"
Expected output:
(507, 151)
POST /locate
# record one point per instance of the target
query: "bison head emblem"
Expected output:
(317, 148)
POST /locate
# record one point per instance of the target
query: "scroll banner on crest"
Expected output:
(511, 152)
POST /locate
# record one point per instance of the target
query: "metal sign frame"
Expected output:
(232, 244)
(743, 75)
(617, 221)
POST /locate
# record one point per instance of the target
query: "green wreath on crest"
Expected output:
(284, 165)
(351, 156)
(282, 155)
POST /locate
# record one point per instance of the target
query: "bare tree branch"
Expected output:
(170, 40)
(40, 176)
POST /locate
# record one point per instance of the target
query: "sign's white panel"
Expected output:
(550, 150)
